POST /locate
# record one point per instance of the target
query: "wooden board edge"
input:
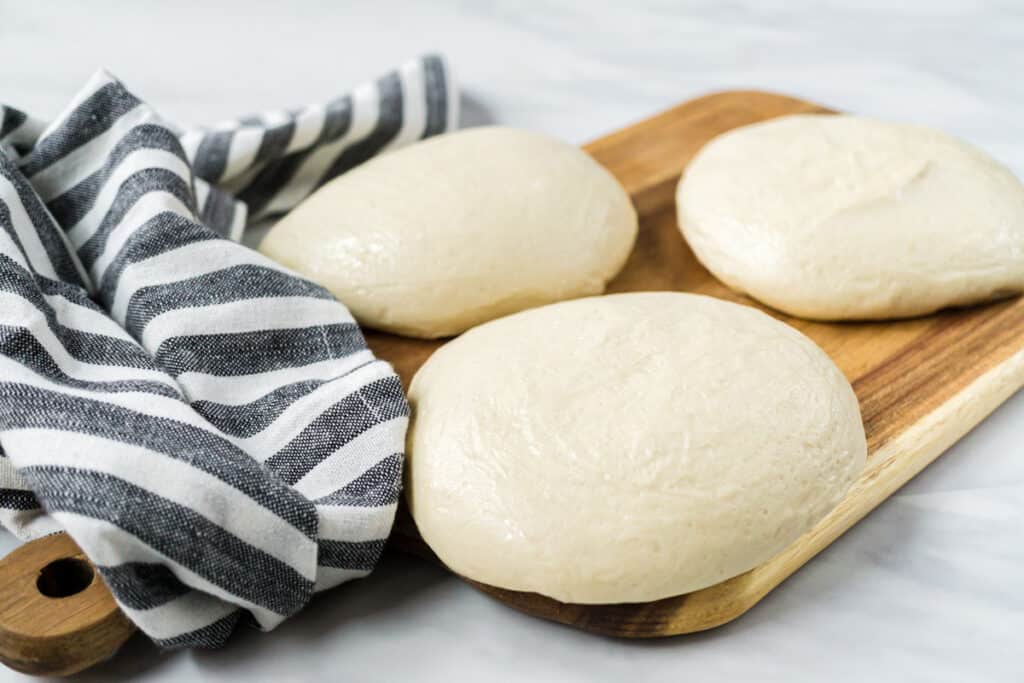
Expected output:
(56, 635)
(651, 182)
(898, 461)
(892, 466)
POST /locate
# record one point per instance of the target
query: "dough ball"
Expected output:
(842, 217)
(626, 448)
(453, 231)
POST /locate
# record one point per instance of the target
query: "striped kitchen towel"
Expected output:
(208, 426)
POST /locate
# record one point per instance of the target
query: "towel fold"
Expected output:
(209, 427)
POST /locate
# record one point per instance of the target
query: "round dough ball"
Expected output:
(432, 239)
(837, 217)
(626, 448)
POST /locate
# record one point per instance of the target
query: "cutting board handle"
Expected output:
(57, 617)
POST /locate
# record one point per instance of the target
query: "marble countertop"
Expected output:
(930, 587)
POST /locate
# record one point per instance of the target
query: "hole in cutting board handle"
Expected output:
(64, 577)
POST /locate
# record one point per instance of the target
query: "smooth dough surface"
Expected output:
(626, 448)
(453, 231)
(839, 217)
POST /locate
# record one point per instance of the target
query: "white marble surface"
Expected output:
(930, 587)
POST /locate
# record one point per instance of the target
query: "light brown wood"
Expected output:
(922, 383)
(56, 615)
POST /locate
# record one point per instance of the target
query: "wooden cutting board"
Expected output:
(922, 383)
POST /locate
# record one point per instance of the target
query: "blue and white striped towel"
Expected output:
(209, 427)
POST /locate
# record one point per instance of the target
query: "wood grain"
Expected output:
(75, 626)
(921, 383)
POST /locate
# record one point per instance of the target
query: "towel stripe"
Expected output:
(304, 148)
(376, 487)
(18, 499)
(208, 426)
(10, 120)
(94, 115)
(143, 585)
